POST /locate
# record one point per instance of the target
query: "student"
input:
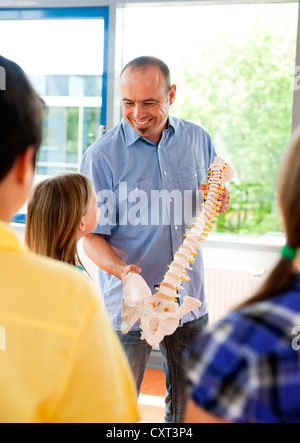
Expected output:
(61, 210)
(246, 368)
(60, 360)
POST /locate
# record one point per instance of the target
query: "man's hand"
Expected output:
(224, 198)
(124, 270)
(102, 254)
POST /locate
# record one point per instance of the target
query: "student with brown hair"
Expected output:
(246, 368)
(61, 210)
(62, 362)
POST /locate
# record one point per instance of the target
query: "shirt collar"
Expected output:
(9, 240)
(172, 123)
(131, 136)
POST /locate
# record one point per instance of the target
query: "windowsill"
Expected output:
(271, 241)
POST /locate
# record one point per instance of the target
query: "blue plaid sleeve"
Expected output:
(218, 374)
(244, 368)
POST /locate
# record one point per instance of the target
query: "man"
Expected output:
(149, 151)
(60, 361)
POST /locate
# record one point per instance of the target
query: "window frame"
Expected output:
(296, 103)
(66, 13)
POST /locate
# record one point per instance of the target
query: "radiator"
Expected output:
(227, 288)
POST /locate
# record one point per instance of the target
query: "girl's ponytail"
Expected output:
(283, 275)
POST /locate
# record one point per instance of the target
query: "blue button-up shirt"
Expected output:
(148, 195)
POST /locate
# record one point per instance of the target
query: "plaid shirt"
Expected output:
(246, 368)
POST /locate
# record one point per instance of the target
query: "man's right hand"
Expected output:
(102, 254)
(126, 269)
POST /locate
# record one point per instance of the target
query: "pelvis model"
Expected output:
(159, 314)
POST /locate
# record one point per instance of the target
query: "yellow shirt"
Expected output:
(60, 361)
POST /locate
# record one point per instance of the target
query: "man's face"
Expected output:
(146, 101)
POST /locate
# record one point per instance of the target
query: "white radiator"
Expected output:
(227, 288)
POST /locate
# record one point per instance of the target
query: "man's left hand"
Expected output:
(224, 198)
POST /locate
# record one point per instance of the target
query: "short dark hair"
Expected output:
(145, 61)
(21, 116)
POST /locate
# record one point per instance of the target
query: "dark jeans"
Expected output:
(172, 348)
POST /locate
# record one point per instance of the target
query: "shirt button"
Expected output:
(165, 173)
(159, 146)
(171, 200)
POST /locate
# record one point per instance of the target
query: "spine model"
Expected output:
(219, 172)
(159, 314)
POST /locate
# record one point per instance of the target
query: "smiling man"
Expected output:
(146, 98)
(149, 151)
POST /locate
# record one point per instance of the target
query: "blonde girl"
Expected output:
(61, 210)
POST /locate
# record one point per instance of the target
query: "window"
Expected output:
(63, 52)
(234, 67)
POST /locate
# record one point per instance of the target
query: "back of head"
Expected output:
(54, 213)
(288, 186)
(21, 116)
(289, 192)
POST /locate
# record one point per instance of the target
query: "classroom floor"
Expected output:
(151, 402)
